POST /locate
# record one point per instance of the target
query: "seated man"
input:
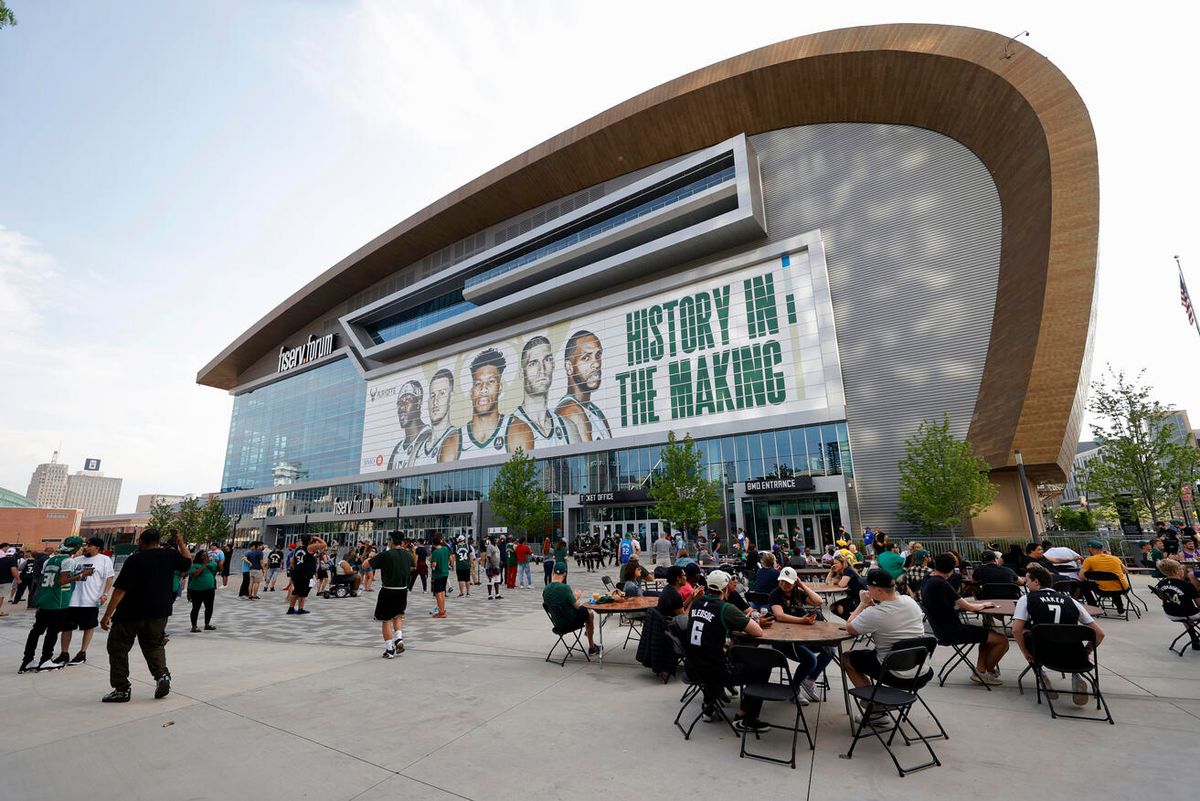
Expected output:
(1044, 604)
(1034, 553)
(1106, 562)
(671, 601)
(889, 559)
(888, 617)
(709, 620)
(787, 604)
(990, 571)
(942, 605)
(1179, 598)
(1063, 557)
(566, 609)
(1152, 553)
(917, 572)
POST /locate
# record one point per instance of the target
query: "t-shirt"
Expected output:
(792, 603)
(1021, 610)
(255, 558)
(88, 592)
(560, 559)
(561, 599)
(523, 552)
(662, 550)
(1179, 597)
(440, 560)
(1062, 552)
(941, 604)
(670, 601)
(889, 622)
(1109, 564)
(274, 559)
(892, 562)
(493, 556)
(626, 550)
(147, 578)
(766, 579)
(991, 573)
(202, 577)
(394, 568)
(51, 593)
(7, 563)
(856, 584)
(304, 564)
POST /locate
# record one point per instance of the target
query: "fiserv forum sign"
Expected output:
(741, 344)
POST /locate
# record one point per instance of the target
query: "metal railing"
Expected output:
(970, 548)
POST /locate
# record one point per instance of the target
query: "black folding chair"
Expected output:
(1106, 599)
(919, 681)
(1062, 647)
(961, 656)
(608, 584)
(564, 634)
(895, 704)
(693, 686)
(781, 691)
(1180, 614)
(998, 592)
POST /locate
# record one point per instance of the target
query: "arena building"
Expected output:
(795, 256)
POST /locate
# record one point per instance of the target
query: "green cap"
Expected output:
(919, 556)
(1095, 544)
(71, 543)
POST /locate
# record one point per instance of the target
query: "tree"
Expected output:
(188, 519)
(6, 16)
(162, 516)
(942, 480)
(1069, 519)
(1143, 460)
(517, 497)
(682, 495)
(213, 522)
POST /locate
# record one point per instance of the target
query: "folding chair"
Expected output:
(1110, 596)
(781, 691)
(692, 687)
(998, 592)
(917, 683)
(961, 655)
(608, 584)
(563, 634)
(895, 704)
(1180, 614)
(1062, 647)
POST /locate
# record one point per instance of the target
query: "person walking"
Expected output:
(439, 562)
(547, 561)
(138, 610)
(87, 597)
(53, 602)
(395, 566)
(202, 589)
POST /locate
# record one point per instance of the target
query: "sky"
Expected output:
(170, 171)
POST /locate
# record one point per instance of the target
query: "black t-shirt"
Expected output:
(274, 559)
(1179, 597)
(856, 584)
(940, 602)
(792, 604)
(991, 573)
(670, 601)
(30, 568)
(148, 579)
(7, 563)
(304, 564)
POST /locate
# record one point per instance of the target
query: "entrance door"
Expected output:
(789, 525)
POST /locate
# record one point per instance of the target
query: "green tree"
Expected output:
(517, 497)
(214, 523)
(6, 16)
(682, 495)
(942, 480)
(162, 516)
(188, 519)
(1143, 459)
(1069, 519)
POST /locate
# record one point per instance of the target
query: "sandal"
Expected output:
(210, 628)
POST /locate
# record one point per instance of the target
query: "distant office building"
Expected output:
(145, 502)
(93, 492)
(34, 528)
(48, 485)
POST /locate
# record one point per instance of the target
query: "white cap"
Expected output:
(717, 580)
(789, 575)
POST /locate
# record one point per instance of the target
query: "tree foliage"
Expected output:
(942, 481)
(7, 20)
(1069, 519)
(188, 518)
(162, 516)
(1143, 459)
(517, 497)
(213, 525)
(682, 494)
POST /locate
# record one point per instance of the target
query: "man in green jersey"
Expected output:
(439, 562)
(53, 601)
(394, 566)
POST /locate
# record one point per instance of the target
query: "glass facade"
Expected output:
(310, 424)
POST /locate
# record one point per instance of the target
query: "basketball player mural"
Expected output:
(428, 448)
(582, 359)
(533, 424)
(484, 433)
(408, 410)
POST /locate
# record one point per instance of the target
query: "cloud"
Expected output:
(27, 279)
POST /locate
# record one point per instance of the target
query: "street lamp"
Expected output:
(1033, 532)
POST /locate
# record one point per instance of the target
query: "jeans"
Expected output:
(548, 566)
(812, 663)
(244, 590)
(48, 622)
(206, 598)
(149, 635)
(524, 576)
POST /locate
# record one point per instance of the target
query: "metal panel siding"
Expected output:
(911, 222)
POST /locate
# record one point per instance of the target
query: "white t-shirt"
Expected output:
(88, 592)
(1021, 611)
(889, 622)
(1062, 552)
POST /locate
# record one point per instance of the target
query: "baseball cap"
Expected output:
(71, 543)
(919, 555)
(877, 577)
(692, 569)
(409, 388)
(789, 575)
(96, 541)
(841, 543)
(718, 580)
(1090, 543)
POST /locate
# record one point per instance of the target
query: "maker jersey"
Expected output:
(51, 594)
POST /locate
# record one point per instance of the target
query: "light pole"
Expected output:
(1033, 532)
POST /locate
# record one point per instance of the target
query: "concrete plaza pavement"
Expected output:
(264, 708)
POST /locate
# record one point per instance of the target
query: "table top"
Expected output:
(820, 631)
(825, 588)
(635, 604)
(1005, 608)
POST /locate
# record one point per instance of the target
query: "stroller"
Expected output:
(340, 586)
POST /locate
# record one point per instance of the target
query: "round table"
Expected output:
(638, 603)
(1003, 609)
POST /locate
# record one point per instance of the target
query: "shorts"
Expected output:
(322, 574)
(390, 604)
(581, 618)
(301, 586)
(964, 635)
(439, 583)
(463, 573)
(865, 662)
(83, 618)
(493, 572)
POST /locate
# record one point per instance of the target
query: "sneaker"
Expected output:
(209, 628)
(80, 658)
(63, 659)
(163, 686)
(398, 645)
(116, 697)
(809, 686)
(50, 664)
(595, 649)
(1051, 693)
(196, 629)
(875, 719)
(440, 615)
(1080, 691)
(291, 611)
(303, 612)
(498, 596)
(710, 715)
(26, 667)
(389, 653)
(491, 598)
(985, 678)
(751, 726)
(995, 672)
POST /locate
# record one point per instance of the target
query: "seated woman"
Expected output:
(683, 560)
(705, 557)
(767, 577)
(843, 574)
(632, 577)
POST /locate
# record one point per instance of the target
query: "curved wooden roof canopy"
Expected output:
(1019, 115)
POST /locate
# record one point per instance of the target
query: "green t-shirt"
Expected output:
(733, 618)
(440, 559)
(203, 577)
(394, 567)
(560, 560)
(560, 596)
(52, 594)
(892, 562)
(511, 556)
